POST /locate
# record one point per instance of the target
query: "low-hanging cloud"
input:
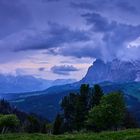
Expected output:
(63, 69)
(42, 69)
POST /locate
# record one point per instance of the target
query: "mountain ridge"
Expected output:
(113, 71)
(27, 83)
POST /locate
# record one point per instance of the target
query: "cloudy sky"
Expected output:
(61, 38)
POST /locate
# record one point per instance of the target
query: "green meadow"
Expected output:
(119, 135)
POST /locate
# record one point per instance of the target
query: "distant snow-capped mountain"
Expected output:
(27, 83)
(113, 71)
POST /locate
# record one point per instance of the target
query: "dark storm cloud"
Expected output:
(111, 43)
(99, 23)
(100, 31)
(63, 69)
(14, 16)
(41, 69)
(54, 37)
(125, 5)
(115, 35)
(50, 0)
(79, 51)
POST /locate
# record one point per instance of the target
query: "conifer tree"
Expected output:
(97, 94)
(57, 125)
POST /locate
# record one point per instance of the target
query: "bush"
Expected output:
(109, 113)
(8, 123)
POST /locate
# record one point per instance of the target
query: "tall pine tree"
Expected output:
(97, 94)
(57, 125)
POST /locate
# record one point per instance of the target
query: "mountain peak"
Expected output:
(98, 61)
(113, 71)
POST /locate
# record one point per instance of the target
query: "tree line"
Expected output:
(88, 110)
(14, 120)
(92, 110)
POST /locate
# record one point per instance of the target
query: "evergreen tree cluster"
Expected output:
(76, 106)
(91, 109)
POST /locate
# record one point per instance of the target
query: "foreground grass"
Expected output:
(120, 135)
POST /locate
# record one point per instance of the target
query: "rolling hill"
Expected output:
(48, 105)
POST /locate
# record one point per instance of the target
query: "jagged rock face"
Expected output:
(114, 71)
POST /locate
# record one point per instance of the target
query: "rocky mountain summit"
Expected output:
(113, 71)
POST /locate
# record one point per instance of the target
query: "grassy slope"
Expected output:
(122, 135)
